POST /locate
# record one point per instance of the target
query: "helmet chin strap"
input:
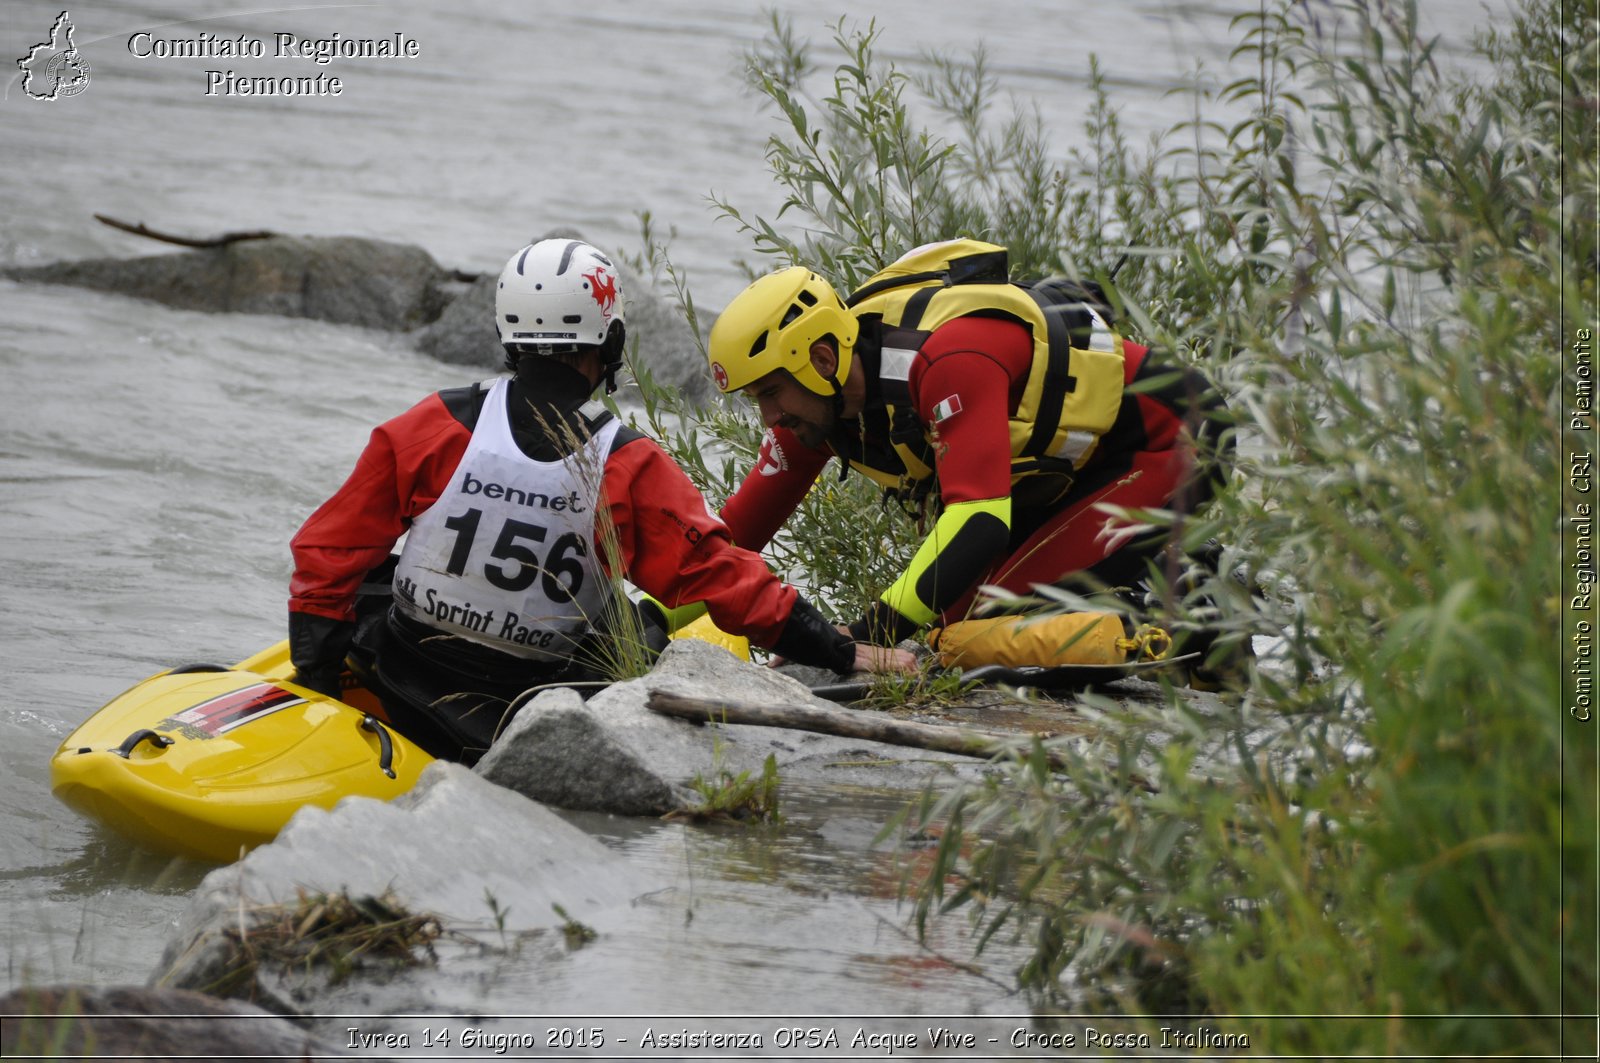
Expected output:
(836, 433)
(837, 398)
(611, 354)
(838, 389)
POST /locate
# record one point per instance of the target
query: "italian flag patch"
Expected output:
(947, 409)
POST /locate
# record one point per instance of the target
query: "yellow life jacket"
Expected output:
(1074, 387)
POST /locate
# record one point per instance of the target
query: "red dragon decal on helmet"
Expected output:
(603, 286)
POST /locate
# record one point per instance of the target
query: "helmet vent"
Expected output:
(759, 345)
(572, 319)
(512, 319)
(566, 256)
(794, 311)
(807, 298)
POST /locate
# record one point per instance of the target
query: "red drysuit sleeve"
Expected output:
(676, 550)
(784, 471)
(407, 463)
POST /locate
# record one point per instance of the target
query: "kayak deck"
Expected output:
(207, 762)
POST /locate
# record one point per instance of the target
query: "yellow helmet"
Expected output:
(772, 324)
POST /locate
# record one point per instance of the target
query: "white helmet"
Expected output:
(556, 296)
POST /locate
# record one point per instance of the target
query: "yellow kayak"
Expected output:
(208, 762)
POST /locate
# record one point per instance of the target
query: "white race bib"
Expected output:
(505, 558)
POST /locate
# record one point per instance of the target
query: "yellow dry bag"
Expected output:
(1046, 641)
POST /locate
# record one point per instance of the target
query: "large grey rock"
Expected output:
(612, 754)
(343, 279)
(376, 284)
(464, 334)
(595, 757)
(476, 855)
(664, 345)
(133, 1022)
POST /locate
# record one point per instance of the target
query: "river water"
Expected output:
(155, 462)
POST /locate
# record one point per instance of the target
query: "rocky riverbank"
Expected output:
(501, 879)
(471, 846)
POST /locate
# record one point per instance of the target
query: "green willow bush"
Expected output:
(1381, 264)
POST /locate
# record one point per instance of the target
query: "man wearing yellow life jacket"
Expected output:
(923, 379)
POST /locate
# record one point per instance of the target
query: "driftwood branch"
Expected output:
(872, 727)
(140, 229)
(869, 726)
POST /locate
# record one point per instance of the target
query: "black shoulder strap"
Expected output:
(868, 291)
(465, 403)
(624, 436)
(1069, 308)
(983, 267)
(1058, 379)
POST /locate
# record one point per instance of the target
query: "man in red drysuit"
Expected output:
(1014, 409)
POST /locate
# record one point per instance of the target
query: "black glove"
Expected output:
(317, 645)
(808, 638)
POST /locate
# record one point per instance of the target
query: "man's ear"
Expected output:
(824, 359)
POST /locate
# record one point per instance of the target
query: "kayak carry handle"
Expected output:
(132, 741)
(385, 746)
